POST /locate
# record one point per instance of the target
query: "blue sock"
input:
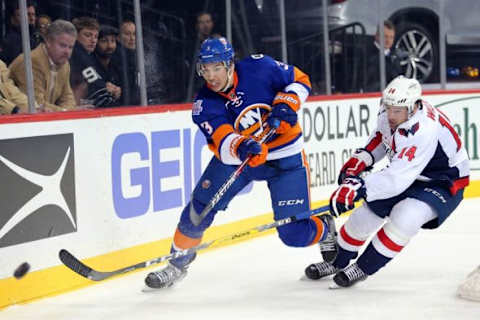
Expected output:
(371, 260)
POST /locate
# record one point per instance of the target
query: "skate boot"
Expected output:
(349, 276)
(166, 277)
(329, 246)
(319, 270)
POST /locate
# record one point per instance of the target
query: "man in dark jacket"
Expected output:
(111, 73)
(392, 59)
(12, 43)
(88, 86)
(125, 58)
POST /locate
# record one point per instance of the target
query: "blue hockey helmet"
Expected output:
(216, 50)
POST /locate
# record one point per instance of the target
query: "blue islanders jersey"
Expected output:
(225, 117)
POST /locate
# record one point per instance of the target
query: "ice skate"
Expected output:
(329, 246)
(349, 276)
(320, 270)
(165, 278)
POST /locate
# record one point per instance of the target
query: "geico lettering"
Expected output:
(143, 180)
(328, 122)
(139, 172)
(90, 75)
(293, 202)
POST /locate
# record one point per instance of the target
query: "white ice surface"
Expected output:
(261, 279)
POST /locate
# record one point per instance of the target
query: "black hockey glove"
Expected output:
(102, 98)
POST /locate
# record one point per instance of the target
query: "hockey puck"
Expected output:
(21, 270)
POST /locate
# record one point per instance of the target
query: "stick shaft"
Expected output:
(224, 188)
(79, 267)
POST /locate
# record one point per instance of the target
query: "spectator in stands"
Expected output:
(12, 43)
(127, 36)
(106, 46)
(392, 58)
(125, 59)
(89, 88)
(43, 22)
(51, 70)
(204, 26)
(12, 100)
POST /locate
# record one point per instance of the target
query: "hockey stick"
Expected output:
(198, 218)
(79, 267)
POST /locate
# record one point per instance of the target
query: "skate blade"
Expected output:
(305, 278)
(147, 289)
(334, 286)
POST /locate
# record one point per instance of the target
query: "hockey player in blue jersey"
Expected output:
(234, 107)
(422, 185)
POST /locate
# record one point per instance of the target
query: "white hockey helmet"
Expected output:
(402, 92)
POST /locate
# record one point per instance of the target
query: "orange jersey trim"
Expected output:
(286, 137)
(182, 241)
(290, 99)
(320, 229)
(221, 132)
(214, 150)
(302, 77)
(307, 169)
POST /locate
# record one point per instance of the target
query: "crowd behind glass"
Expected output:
(84, 53)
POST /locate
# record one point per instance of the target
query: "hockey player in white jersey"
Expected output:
(421, 186)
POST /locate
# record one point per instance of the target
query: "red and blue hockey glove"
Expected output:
(343, 199)
(248, 147)
(284, 109)
(360, 161)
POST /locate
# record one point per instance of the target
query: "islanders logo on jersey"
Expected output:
(249, 121)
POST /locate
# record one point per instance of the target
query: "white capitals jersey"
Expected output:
(426, 147)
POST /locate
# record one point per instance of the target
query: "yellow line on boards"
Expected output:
(59, 279)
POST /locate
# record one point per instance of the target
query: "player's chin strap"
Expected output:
(197, 219)
(229, 83)
(82, 269)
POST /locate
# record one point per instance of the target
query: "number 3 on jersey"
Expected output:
(205, 125)
(408, 152)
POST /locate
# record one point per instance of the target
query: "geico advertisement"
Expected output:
(156, 171)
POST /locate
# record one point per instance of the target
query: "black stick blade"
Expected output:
(73, 263)
(79, 267)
